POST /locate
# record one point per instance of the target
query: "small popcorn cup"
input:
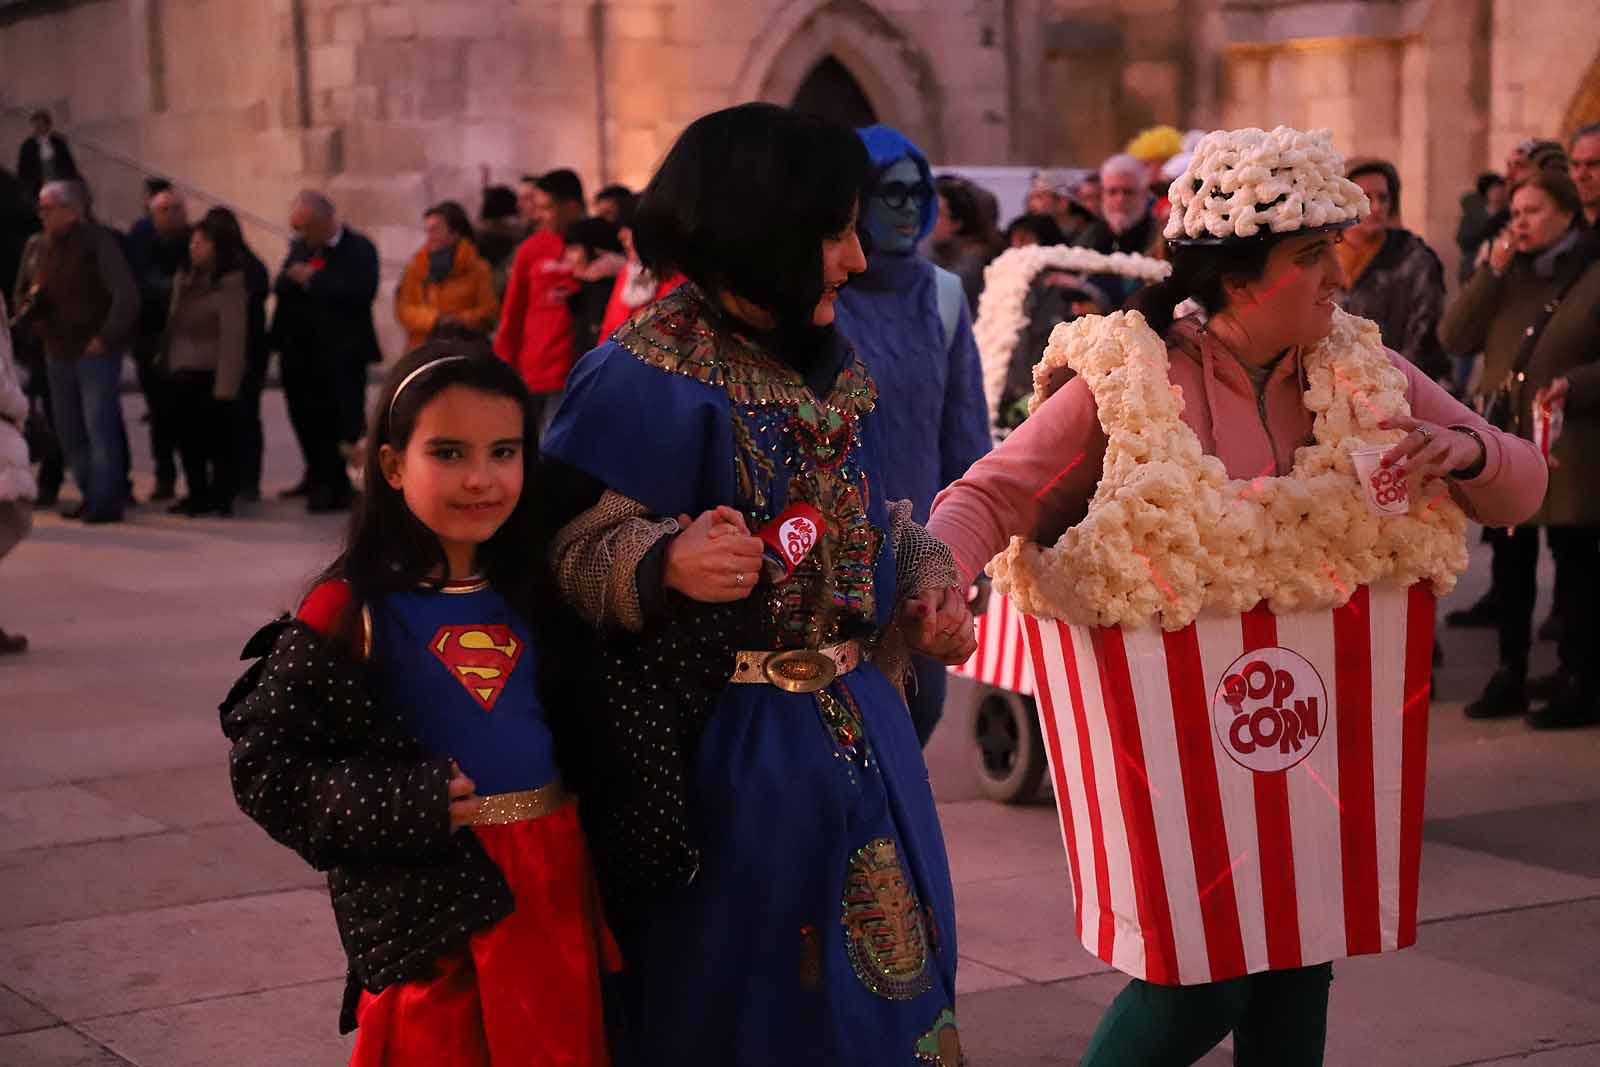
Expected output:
(1387, 493)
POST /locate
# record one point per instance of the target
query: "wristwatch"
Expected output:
(1471, 470)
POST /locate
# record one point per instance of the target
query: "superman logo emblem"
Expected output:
(481, 658)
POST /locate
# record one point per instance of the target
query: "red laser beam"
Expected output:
(1051, 484)
(1315, 777)
(1218, 880)
(1155, 577)
(1148, 785)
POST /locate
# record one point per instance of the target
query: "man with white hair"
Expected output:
(77, 291)
(1126, 223)
(323, 331)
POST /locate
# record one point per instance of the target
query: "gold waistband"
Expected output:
(498, 809)
(797, 670)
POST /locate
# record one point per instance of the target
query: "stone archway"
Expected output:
(830, 90)
(892, 73)
(1585, 106)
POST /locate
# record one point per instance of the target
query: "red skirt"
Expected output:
(525, 990)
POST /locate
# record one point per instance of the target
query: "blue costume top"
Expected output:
(820, 927)
(935, 422)
(458, 665)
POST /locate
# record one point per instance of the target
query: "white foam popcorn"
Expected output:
(1240, 181)
(1168, 534)
(1006, 280)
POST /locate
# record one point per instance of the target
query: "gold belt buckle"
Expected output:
(800, 670)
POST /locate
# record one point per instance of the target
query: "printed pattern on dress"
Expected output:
(885, 939)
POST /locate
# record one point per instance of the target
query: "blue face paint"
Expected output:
(894, 210)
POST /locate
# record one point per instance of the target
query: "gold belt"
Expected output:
(797, 670)
(498, 809)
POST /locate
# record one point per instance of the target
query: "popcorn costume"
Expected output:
(1231, 644)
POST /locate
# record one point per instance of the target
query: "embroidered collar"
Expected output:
(677, 334)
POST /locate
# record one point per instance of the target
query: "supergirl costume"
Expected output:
(767, 837)
(466, 948)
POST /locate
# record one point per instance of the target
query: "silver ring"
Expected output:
(1426, 432)
(738, 579)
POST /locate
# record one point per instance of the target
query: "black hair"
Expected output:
(742, 203)
(1385, 170)
(154, 187)
(499, 202)
(40, 115)
(454, 216)
(961, 202)
(594, 234)
(1198, 272)
(1044, 228)
(1488, 180)
(563, 185)
(387, 549)
(626, 199)
(221, 227)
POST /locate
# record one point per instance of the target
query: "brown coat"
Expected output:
(208, 328)
(1493, 314)
(467, 293)
(81, 289)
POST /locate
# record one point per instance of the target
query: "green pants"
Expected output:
(1277, 1018)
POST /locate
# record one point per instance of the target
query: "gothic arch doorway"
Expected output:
(807, 39)
(831, 91)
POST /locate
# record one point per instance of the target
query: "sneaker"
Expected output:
(1504, 696)
(1574, 704)
(1481, 616)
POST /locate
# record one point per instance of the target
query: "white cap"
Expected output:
(1239, 181)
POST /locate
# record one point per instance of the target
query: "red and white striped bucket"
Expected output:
(1244, 794)
(1001, 658)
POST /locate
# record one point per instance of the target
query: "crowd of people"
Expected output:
(713, 465)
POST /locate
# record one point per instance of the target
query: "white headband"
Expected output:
(408, 379)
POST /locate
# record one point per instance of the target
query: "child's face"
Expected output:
(461, 472)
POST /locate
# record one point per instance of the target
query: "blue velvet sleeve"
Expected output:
(659, 438)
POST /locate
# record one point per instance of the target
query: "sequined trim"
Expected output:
(841, 715)
(942, 1043)
(883, 929)
(675, 334)
(499, 809)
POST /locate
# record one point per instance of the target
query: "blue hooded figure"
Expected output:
(908, 320)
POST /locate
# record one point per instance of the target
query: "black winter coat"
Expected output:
(331, 317)
(330, 774)
(1402, 290)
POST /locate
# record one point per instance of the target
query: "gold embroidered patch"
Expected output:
(942, 1043)
(885, 938)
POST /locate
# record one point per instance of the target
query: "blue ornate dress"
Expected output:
(820, 926)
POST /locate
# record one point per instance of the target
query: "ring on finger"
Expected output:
(738, 579)
(1426, 432)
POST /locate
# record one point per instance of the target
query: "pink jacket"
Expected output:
(1039, 481)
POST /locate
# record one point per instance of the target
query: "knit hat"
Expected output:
(1241, 181)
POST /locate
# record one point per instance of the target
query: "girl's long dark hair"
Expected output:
(387, 549)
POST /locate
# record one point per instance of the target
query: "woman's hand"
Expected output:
(714, 559)
(1500, 252)
(464, 801)
(940, 626)
(1429, 450)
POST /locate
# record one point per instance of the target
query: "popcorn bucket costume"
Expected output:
(1231, 656)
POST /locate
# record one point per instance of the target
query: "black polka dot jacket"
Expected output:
(328, 773)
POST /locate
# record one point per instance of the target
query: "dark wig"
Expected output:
(388, 549)
(1198, 272)
(743, 202)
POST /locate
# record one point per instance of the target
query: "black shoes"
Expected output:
(1483, 615)
(71, 511)
(193, 507)
(11, 644)
(166, 489)
(1505, 695)
(300, 488)
(1573, 703)
(1550, 629)
(322, 501)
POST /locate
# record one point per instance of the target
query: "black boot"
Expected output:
(1546, 686)
(1484, 615)
(1504, 696)
(1574, 703)
(166, 488)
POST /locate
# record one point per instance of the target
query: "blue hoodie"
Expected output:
(931, 408)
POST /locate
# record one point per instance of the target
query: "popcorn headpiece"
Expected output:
(1241, 181)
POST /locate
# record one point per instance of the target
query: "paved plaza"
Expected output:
(145, 921)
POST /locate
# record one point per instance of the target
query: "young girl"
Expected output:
(394, 736)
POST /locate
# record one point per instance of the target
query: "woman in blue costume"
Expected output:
(908, 321)
(758, 803)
